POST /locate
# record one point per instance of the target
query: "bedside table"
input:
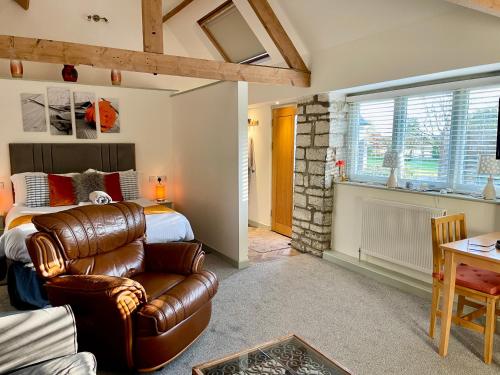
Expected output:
(2, 224)
(167, 204)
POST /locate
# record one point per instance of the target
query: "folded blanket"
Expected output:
(99, 197)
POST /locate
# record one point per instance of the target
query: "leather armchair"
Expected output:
(137, 305)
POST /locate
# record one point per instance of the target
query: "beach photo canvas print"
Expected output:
(59, 111)
(85, 115)
(33, 111)
(109, 115)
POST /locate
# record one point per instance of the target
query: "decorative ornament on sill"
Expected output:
(490, 166)
(69, 73)
(16, 68)
(392, 160)
(340, 164)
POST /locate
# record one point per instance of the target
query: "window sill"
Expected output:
(465, 197)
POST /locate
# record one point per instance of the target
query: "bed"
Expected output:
(162, 224)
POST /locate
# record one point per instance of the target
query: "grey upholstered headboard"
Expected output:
(71, 157)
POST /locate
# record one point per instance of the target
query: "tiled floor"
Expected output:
(265, 245)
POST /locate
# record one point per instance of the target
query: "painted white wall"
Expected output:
(145, 117)
(346, 238)
(210, 165)
(259, 204)
(454, 38)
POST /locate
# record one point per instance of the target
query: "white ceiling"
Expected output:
(326, 23)
(312, 25)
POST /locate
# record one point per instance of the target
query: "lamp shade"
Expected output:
(391, 159)
(488, 165)
(160, 190)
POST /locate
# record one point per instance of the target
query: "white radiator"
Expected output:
(398, 233)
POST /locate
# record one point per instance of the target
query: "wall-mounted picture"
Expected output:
(109, 115)
(59, 111)
(85, 115)
(33, 110)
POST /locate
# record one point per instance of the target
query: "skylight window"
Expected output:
(229, 32)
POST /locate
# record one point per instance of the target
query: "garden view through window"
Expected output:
(439, 137)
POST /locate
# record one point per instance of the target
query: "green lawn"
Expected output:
(427, 167)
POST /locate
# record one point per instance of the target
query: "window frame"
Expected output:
(457, 140)
(214, 14)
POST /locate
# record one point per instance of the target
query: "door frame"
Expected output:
(292, 109)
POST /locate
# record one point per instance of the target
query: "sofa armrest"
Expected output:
(79, 290)
(104, 308)
(183, 258)
(36, 336)
(47, 258)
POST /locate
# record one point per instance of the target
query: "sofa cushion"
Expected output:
(156, 283)
(177, 304)
(75, 364)
(90, 230)
(474, 278)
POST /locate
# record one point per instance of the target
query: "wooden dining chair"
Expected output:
(475, 288)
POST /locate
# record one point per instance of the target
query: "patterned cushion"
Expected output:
(37, 191)
(129, 185)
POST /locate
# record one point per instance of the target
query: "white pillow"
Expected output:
(19, 182)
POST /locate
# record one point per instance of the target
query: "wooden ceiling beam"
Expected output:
(177, 9)
(152, 26)
(486, 6)
(24, 3)
(278, 34)
(55, 52)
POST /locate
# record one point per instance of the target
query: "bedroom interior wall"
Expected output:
(145, 117)
(259, 201)
(449, 41)
(210, 165)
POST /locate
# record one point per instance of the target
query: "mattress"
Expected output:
(160, 228)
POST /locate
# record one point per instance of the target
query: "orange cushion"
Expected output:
(61, 190)
(474, 278)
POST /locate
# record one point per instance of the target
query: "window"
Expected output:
(439, 136)
(232, 37)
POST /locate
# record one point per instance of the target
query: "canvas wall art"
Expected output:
(85, 115)
(109, 115)
(59, 103)
(33, 112)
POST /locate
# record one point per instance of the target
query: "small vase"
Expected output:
(116, 77)
(16, 68)
(69, 73)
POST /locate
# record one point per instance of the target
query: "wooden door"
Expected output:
(283, 162)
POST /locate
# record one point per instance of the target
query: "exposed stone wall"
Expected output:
(320, 142)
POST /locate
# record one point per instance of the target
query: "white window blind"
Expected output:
(439, 135)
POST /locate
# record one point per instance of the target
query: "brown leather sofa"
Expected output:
(137, 305)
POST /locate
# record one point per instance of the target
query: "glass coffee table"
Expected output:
(289, 355)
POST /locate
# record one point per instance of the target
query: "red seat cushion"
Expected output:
(474, 278)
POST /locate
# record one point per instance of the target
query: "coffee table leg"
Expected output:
(450, 271)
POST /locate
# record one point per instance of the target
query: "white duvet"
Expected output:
(167, 227)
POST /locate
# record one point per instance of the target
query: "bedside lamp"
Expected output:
(391, 160)
(160, 191)
(488, 165)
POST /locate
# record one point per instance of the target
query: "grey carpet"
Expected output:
(369, 327)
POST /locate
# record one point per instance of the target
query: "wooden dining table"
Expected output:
(456, 253)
